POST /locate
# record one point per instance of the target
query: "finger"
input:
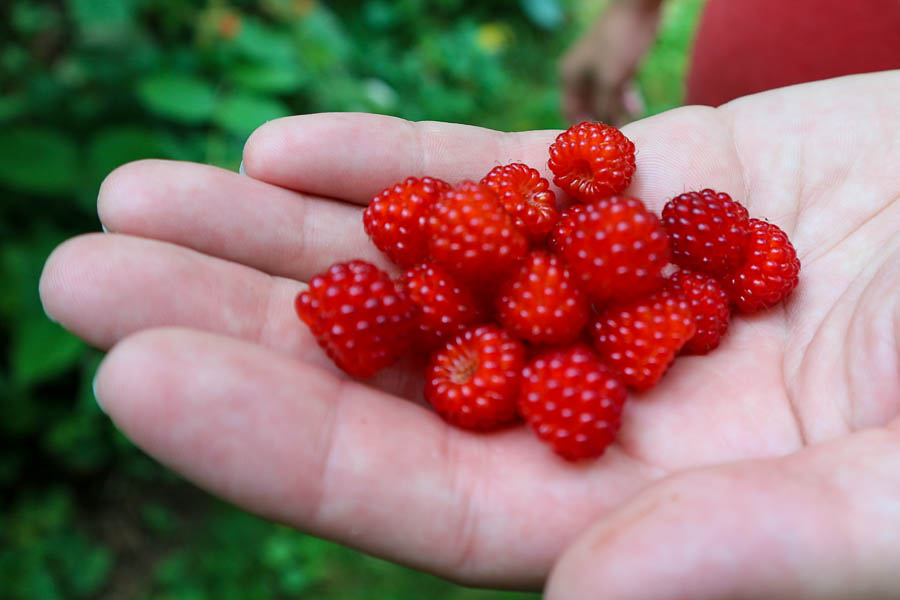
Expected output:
(818, 525)
(237, 218)
(103, 287)
(354, 156)
(344, 155)
(577, 95)
(106, 287)
(298, 445)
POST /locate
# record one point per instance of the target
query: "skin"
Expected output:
(597, 72)
(768, 469)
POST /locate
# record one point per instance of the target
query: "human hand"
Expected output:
(774, 456)
(597, 71)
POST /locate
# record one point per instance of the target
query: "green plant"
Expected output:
(88, 85)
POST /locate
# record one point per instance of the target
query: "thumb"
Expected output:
(823, 523)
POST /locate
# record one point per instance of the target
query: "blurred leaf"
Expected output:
(36, 516)
(115, 146)
(21, 263)
(13, 59)
(29, 18)
(294, 581)
(379, 14)
(10, 467)
(87, 402)
(159, 518)
(85, 566)
(36, 160)
(382, 96)
(97, 14)
(41, 349)
(265, 43)
(20, 415)
(241, 113)
(547, 14)
(269, 79)
(178, 97)
(323, 42)
(41, 584)
(172, 569)
(78, 443)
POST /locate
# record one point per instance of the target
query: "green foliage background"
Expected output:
(87, 85)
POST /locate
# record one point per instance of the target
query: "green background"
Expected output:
(87, 85)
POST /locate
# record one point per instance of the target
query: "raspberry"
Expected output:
(592, 161)
(446, 307)
(572, 402)
(540, 302)
(707, 231)
(566, 225)
(472, 236)
(396, 219)
(526, 196)
(709, 305)
(358, 315)
(770, 272)
(473, 381)
(616, 247)
(639, 340)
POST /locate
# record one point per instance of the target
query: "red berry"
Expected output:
(358, 315)
(707, 231)
(615, 246)
(541, 303)
(526, 196)
(709, 305)
(592, 161)
(473, 381)
(770, 272)
(639, 340)
(566, 225)
(446, 307)
(396, 219)
(471, 234)
(572, 402)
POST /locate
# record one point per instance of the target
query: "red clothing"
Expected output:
(747, 46)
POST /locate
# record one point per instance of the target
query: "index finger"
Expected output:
(353, 157)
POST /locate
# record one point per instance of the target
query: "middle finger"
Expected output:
(240, 219)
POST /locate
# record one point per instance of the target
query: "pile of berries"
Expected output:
(531, 313)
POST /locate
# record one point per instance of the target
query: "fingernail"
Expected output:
(96, 397)
(103, 227)
(241, 169)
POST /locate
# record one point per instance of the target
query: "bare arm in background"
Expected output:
(596, 71)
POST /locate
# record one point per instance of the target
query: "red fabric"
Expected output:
(747, 46)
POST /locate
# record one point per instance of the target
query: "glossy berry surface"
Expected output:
(565, 226)
(592, 161)
(639, 340)
(445, 306)
(472, 235)
(541, 302)
(396, 219)
(572, 402)
(615, 246)
(473, 381)
(358, 315)
(708, 231)
(526, 196)
(709, 305)
(770, 272)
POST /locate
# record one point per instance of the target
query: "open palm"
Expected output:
(233, 392)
